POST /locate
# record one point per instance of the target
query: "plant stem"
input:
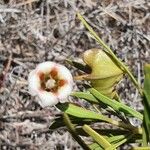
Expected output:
(73, 132)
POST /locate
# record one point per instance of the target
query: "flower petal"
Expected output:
(63, 92)
(45, 67)
(64, 73)
(47, 98)
(34, 83)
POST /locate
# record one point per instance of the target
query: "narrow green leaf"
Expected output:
(84, 113)
(79, 66)
(115, 104)
(146, 103)
(147, 83)
(87, 96)
(115, 139)
(108, 132)
(80, 112)
(140, 148)
(90, 98)
(97, 137)
(108, 102)
(58, 122)
(144, 134)
(95, 146)
(112, 147)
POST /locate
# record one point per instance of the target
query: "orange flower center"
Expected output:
(50, 81)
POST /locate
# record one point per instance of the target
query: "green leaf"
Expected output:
(113, 146)
(80, 112)
(115, 139)
(115, 104)
(140, 148)
(79, 66)
(90, 98)
(147, 83)
(58, 122)
(146, 103)
(97, 137)
(108, 102)
(114, 135)
(95, 146)
(87, 96)
(108, 132)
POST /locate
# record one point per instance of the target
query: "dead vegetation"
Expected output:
(32, 31)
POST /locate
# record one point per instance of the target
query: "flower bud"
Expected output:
(105, 72)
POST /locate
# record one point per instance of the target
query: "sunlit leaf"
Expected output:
(140, 148)
(97, 137)
(80, 112)
(115, 139)
(95, 146)
(96, 96)
(115, 104)
(87, 96)
(120, 142)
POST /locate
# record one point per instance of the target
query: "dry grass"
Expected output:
(32, 31)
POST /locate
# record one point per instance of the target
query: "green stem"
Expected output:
(121, 64)
(73, 132)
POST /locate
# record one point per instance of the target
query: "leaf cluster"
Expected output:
(104, 70)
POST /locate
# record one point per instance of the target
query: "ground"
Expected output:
(33, 31)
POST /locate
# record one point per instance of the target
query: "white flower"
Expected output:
(51, 82)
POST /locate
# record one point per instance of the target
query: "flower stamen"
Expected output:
(54, 73)
(62, 82)
(51, 83)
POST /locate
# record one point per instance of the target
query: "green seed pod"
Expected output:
(105, 72)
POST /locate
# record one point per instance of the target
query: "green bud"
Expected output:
(105, 72)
